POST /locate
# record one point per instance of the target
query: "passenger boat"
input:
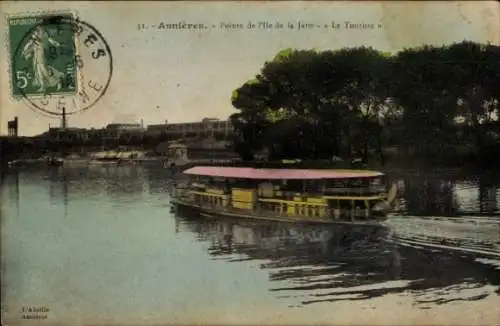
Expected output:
(290, 195)
(112, 158)
(104, 161)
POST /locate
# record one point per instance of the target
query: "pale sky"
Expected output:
(181, 76)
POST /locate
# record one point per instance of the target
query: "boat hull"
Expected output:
(187, 207)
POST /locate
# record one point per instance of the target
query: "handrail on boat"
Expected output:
(304, 214)
(370, 189)
(290, 195)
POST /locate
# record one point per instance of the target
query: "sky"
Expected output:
(185, 75)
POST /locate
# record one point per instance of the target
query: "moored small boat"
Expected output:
(37, 162)
(104, 161)
(113, 158)
(290, 195)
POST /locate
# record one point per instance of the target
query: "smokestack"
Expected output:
(63, 117)
(142, 123)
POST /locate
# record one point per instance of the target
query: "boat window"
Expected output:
(348, 183)
(294, 185)
(197, 185)
(355, 182)
(335, 183)
(313, 186)
(204, 179)
(241, 183)
(359, 204)
(343, 204)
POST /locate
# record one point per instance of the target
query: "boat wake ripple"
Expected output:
(432, 262)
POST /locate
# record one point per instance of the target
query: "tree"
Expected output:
(307, 102)
(420, 85)
(475, 70)
(250, 123)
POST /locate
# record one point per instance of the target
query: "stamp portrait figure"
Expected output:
(44, 75)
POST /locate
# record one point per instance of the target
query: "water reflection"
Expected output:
(346, 263)
(116, 182)
(452, 196)
(488, 195)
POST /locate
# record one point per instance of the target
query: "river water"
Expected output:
(100, 245)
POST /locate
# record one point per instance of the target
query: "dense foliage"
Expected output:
(429, 101)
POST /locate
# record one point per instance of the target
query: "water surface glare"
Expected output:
(100, 245)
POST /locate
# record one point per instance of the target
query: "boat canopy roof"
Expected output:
(274, 174)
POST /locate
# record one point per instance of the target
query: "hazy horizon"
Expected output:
(184, 76)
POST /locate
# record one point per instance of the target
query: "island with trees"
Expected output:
(432, 105)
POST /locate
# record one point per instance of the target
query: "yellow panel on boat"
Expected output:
(316, 200)
(272, 200)
(242, 190)
(353, 198)
(291, 203)
(207, 194)
(243, 195)
(243, 205)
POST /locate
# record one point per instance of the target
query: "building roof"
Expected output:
(273, 174)
(161, 125)
(135, 125)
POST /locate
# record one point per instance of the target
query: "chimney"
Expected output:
(63, 121)
(142, 123)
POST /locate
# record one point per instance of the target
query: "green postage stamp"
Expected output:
(42, 56)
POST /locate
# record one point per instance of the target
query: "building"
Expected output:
(157, 129)
(13, 127)
(124, 127)
(66, 134)
(205, 128)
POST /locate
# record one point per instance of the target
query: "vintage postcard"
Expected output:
(253, 162)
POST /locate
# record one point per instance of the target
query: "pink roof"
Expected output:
(287, 174)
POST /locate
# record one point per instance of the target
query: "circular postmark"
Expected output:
(62, 65)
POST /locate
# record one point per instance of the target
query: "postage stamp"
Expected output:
(42, 57)
(58, 61)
